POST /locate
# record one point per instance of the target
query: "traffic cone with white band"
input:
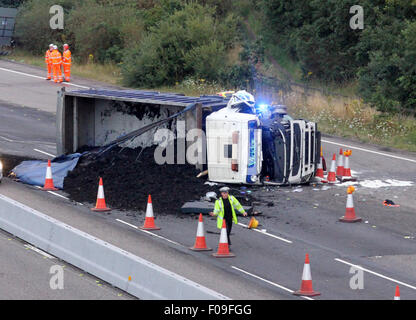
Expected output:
(350, 211)
(306, 286)
(149, 222)
(100, 205)
(340, 165)
(48, 179)
(320, 170)
(223, 249)
(332, 178)
(200, 242)
(347, 171)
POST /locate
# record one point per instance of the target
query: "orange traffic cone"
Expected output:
(306, 286)
(347, 171)
(340, 164)
(149, 222)
(350, 211)
(332, 174)
(397, 294)
(48, 179)
(223, 249)
(100, 205)
(200, 243)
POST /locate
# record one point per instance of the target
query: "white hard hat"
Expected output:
(241, 97)
(55, 46)
(51, 45)
(66, 45)
(225, 189)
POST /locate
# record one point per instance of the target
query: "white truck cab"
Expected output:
(261, 145)
(234, 147)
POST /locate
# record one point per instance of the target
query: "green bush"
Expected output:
(388, 81)
(102, 29)
(189, 43)
(318, 36)
(33, 31)
(206, 61)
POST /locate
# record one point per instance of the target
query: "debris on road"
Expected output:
(130, 176)
(390, 203)
(33, 172)
(202, 174)
(253, 224)
(374, 184)
(209, 196)
(211, 184)
(10, 161)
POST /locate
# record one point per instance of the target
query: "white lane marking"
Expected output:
(267, 281)
(46, 153)
(37, 77)
(43, 253)
(6, 139)
(267, 234)
(58, 195)
(76, 85)
(376, 274)
(21, 73)
(371, 151)
(148, 232)
(46, 144)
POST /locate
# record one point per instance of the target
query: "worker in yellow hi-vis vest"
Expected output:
(224, 209)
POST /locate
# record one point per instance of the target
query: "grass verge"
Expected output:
(108, 73)
(352, 118)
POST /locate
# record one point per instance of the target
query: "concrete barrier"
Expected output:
(97, 257)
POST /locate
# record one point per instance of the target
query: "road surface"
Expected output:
(25, 274)
(269, 261)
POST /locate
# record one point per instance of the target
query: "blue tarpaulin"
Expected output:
(34, 172)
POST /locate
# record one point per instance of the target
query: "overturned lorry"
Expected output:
(246, 142)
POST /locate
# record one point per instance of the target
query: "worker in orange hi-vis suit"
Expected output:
(48, 61)
(67, 62)
(57, 63)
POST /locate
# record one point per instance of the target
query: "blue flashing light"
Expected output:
(262, 107)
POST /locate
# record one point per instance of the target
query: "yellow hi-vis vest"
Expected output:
(219, 209)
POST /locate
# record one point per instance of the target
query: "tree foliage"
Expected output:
(317, 34)
(11, 3)
(188, 43)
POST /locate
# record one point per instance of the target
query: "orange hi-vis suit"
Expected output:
(48, 62)
(67, 62)
(57, 62)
